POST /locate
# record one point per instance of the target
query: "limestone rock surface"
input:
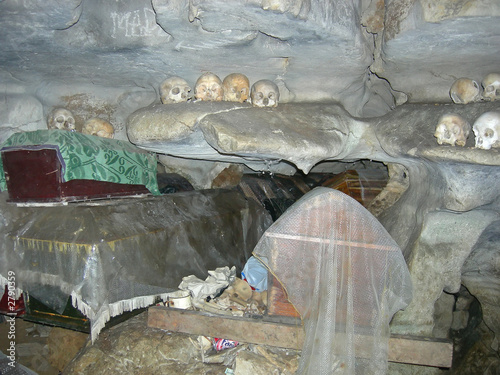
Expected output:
(19, 112)
(63, 346)
(444, 244)
(367, 55)
(481, 275)
(348, 65)
(304, 134)
(300, 134)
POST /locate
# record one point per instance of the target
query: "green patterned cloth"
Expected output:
(87, 157)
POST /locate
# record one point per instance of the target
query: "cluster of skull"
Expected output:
(452, 129)
(63, 119)
(466, 90)
(209, 87)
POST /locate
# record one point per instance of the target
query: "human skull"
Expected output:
(236, 88)
(264, 93)
(452, 129)
(61, 118)
(209, 88)
(491, 87)
(174, 90)
(98, 127)
(465, 90)
(486, 129)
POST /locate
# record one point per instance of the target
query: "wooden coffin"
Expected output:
(363, 187)
(36, 176)
(277, 300)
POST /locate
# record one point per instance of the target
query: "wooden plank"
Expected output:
(403, 349)
(420, 350)
(254, 331)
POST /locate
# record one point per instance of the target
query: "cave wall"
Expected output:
(364, 79)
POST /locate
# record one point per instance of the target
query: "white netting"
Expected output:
(346, 277)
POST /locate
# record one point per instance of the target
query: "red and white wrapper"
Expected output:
(221, 344)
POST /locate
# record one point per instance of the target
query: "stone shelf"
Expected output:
(302, 134)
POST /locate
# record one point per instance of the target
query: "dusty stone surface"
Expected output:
(444, 25)
(443, 315)
(302, 135)
(173, 122)
(481, 276)
(133, 348)
(259, 137)
(43, 349)
(396, 186)
(254, 363)
(19, 112)
(63, 345)
(480, 358)
(444, 243)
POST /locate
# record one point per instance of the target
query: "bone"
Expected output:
(98, 127)
(174, 90)
(209, 88)
(491, 87)
(465, 90)
(452, 129)
(242, 289)
(265, 93)
(486, 129)
(236, 88)
(61, 118)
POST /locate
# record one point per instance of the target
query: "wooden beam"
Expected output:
(403, 349)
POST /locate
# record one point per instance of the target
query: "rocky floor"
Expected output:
(43, 349)
(134, 348)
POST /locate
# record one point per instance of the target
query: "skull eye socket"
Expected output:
(259, 95)
(60, 119)
(176, 91)
(489, 89)
(71, 120)
(456, 130)
(271, 95)
(244, 90)
(488, 133)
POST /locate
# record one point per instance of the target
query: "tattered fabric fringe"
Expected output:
(99, 319)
